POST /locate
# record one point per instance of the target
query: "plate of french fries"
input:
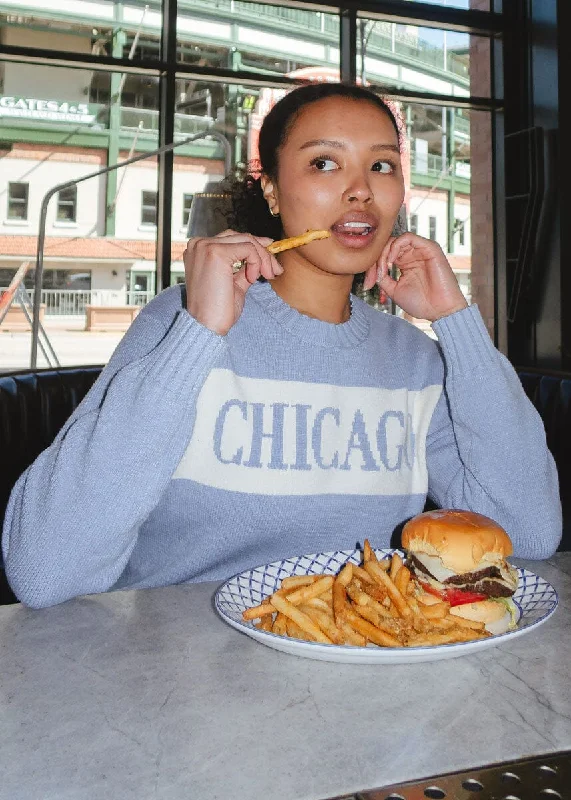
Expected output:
(363, 606)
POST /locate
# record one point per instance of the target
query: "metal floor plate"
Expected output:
(538, 778)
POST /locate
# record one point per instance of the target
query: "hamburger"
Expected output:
(460, 557)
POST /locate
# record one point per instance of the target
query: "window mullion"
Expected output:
(167, 96)
(348, 45)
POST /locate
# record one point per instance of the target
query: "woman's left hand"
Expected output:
(426, 287)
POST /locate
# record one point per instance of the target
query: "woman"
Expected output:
(245, 421)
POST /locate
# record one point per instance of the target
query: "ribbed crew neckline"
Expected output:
(308, 329)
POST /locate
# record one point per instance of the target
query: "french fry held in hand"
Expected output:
(297, 241)
(376, 603)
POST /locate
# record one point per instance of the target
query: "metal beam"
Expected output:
(167, 101)
(348, 46)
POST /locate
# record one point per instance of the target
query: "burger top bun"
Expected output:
(461, 539)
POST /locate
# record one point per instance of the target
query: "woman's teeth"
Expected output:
(356, 228)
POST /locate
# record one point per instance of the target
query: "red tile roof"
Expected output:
(460, 263)
(119, 249)
(86, 247)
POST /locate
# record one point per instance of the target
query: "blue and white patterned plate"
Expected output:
(535, 598)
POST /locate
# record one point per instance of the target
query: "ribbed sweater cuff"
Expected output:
(188, 352)
(464, 339)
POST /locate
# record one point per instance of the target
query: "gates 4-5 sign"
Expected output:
(49, 110)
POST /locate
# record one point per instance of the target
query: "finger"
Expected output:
(253, 270)
(228, 251)
(264, 241)
(382, 265)
(383, 258)
(386, 282)
(257, 261)
(249, 273)
(190, 246)
(370, 278)
(236, 237)
(241, 280)
(227, 232)
(276, 266)
(269, 266)
(398, 248)
(265, 263)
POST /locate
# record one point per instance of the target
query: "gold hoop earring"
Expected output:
(274, 214)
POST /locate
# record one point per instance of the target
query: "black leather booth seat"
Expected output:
(33, 408)
(35, 405)
(551, 395)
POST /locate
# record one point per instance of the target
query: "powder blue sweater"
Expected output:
(196, 456)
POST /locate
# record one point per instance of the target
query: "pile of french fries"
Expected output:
(377, 603)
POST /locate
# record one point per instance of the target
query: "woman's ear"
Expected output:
(270, 195)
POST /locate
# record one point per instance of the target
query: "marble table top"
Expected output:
(149, 694)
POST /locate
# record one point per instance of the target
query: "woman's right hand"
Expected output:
(215, 293)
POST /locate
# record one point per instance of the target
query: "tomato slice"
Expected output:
(456, 597)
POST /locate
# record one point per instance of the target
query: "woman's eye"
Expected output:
(383, 166)
(324, 164)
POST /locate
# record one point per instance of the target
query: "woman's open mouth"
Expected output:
(355, 233)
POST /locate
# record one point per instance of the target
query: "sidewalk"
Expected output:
(71, 343)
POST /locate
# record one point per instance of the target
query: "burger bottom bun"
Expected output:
(494, 615)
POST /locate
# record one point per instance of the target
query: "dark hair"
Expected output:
(250, 209)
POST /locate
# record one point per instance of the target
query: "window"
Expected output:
(140, 283)
(432, 228)
(459, 229)
(67, 205)
(186, 205)
(18, 201)
(149, 208)
(268, 48)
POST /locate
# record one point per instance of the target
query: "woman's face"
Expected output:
(339, 169)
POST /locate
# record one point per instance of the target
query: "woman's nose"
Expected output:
(359, 191)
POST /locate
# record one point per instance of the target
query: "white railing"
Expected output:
(138, 298)
(72, 302)
(63, 302)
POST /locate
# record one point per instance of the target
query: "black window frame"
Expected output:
(17, 201)
(67, 199)
(146, 206)
(185, 210)
(432, 227)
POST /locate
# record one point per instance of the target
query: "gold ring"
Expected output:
(237, 265)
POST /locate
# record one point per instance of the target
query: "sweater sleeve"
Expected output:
(486, 448)
(73, 517)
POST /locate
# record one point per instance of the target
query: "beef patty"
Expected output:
(486, 581)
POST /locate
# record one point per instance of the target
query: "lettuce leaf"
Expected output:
(511, 607)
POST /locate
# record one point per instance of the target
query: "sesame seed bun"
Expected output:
(463, 540)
